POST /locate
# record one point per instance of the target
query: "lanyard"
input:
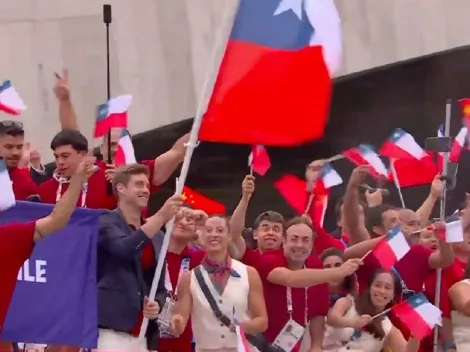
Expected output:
(290, 308)
(58, 195)
(184, 268)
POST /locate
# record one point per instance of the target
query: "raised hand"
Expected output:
(61, 87)
(248, 186)
(171, 207)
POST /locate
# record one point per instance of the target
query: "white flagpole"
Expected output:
(437, 299)
(396, 181)
(206, 92)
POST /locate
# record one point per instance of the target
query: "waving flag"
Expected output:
(402, 145)
(7, 196)
(10, 100)
(418, 315)
(125, 152)
(112, 114)
(273, 86)
(453, 232)
(198, 201)
(391, 249)
(330, 176)
(57, 284)
(458, 145)
(259, 160)
(366, 155)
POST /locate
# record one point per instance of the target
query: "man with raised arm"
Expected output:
(17, 239)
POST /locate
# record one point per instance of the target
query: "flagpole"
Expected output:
(206, 92)
(445, 162)
(107, 19)
(396, 181)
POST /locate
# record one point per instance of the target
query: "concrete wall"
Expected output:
(160, 50)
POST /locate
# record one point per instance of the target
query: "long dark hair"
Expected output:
(364, 305)
(349, 285)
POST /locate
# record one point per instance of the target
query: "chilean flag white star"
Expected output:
(286, 5)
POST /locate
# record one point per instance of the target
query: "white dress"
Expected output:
(341, 340)
(209, 334)
(461, 327)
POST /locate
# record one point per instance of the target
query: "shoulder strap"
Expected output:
(256, 340)
(210, 299)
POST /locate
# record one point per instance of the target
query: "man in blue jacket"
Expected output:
(128, 251)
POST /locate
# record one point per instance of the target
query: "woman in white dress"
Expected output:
(356, 326)
(235, 287)
(459, 295)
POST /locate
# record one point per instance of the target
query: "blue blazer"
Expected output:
(122, 283)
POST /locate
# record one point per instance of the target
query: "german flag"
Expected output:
(196, 200)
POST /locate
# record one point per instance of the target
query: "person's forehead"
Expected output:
(300, 230)
(266, 222)
(407, 215)
(9, 139)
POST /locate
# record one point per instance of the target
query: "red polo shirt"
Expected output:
(324, 240)
(97, 196)
(181, 343)
(16, 245)
(23, 185)
(276, 295)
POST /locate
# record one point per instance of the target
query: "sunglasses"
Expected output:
(9, 124)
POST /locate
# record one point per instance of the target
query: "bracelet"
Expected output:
(449, 346)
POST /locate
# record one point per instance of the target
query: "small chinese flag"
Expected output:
(197, 201)
(465, 105)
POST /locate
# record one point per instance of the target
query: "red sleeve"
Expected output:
(452, 274)
(423, 254)
(324, 240)
(151, 165)
(47, 192)
(16, 242)
(318, 298)
(263, 263)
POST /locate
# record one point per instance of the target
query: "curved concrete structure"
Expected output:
(161, 49)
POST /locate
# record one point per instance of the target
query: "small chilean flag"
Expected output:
(242, 342)
(465, 105)
(402, 145)
(7, 196)
(10, 100)
(453, 232)
(330, 176)
(418, 315)
(391, 249)
(125, 152)
(259, 160)
(458, 145)
(112, 114)
(366, 155)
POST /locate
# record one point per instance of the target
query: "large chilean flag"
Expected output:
(273, 86)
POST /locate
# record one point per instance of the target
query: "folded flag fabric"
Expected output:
(330, 176)
(125, 152)
(365, 154)
(391, 249)
(57, 284)
(453, 232)
(419, 315)
(402, 145)
(112, 114)
(10, 100)
(198, 201)
(259, 160)
(7, 196)
(273, 86)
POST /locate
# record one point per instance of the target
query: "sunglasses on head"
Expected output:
(7, 124)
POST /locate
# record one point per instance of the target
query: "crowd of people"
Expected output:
(298, 289)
